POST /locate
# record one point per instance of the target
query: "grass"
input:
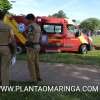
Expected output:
(50, 96)
(96, 39)
(92, 58)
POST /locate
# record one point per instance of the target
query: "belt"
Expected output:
(35, 43)
(3, 45)
(31, 44)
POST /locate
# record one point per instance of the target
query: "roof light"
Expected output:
(39, 19)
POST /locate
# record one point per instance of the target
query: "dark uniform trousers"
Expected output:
(33, 63)
(4, 65)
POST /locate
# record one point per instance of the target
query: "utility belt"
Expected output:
(4, 45)
(30, 44)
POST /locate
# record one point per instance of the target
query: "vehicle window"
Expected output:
(48, 28)
(72, 28)
(55, 29)
(58, 29)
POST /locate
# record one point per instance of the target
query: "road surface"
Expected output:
(59, 74)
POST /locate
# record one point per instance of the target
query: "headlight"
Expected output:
(58, 44)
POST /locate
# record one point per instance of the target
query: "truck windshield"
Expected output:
(52, 28)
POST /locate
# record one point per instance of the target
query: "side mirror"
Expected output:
(78, 33)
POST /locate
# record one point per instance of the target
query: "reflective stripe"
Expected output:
(82, 39)
(14, 25)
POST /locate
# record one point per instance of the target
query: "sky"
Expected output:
(74, 9)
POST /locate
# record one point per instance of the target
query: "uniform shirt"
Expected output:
(34, 32)
(4, 33)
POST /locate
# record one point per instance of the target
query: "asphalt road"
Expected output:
(59, 74)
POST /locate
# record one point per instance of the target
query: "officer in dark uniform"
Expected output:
(6, 40)
(33, 47)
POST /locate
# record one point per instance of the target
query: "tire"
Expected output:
(83, 49)
(19, 50)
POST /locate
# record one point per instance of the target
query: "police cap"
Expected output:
(30, 17)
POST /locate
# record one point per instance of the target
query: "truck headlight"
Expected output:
(58, 44)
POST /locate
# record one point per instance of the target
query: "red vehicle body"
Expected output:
(58, 35)
(62, 36)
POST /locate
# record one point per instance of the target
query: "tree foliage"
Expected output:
(91, 24)
(5, 5)
(59, 14)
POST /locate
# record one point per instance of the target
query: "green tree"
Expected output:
(59, 14)
(90, 24)
(5, 5)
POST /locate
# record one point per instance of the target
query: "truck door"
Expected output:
(71, 42)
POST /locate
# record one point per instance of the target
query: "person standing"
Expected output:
(6, 40)
(33, 47)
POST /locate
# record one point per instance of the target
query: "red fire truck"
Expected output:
(62, 35)
(58, 34)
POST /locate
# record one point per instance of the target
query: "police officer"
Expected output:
(33, 47)
(6, 39)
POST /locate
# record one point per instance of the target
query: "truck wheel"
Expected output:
(19, 50)
(83, 49)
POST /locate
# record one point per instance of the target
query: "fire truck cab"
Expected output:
(62, 35)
